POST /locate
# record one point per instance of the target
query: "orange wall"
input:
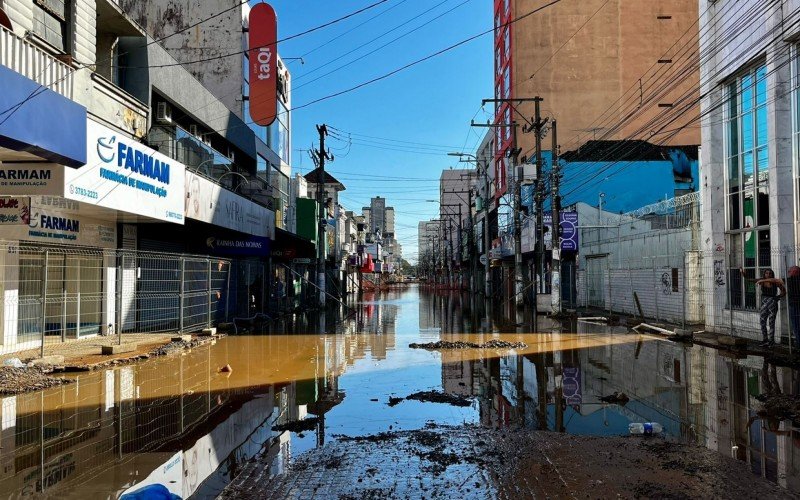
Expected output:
(603, 61)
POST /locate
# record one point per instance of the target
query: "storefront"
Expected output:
(59, 233)
(59, 253)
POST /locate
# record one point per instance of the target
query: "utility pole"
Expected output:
(539, 254)
(519, 270)
(321, 155)
(487, 242)
(555, 204)
(471, 246)
(519, 288)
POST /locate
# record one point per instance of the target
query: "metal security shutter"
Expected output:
(160, 246)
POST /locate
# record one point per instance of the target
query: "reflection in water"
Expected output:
(178, 423)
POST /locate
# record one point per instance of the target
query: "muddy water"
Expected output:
(179, 423)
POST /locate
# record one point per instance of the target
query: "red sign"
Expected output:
(263, 60)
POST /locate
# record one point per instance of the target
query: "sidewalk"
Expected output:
(84, 354)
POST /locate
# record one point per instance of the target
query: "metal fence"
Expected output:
(51, 294)
(668, 288)
(700, 290)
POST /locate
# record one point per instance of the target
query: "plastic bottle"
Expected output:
(647, 428)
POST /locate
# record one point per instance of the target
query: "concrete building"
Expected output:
(132, 155)
(586, 61)
(455, 208)
(202, 36)
(749, 154)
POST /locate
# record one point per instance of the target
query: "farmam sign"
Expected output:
(125, 175)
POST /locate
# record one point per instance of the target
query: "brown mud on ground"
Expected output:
(83, 356)
(19, 380)
(473, 462)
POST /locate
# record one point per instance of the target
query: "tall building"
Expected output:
(455, 196)
(202, 36)
(750, 155)
(135, 155)
(605, 69)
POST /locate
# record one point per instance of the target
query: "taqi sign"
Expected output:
(263, 64)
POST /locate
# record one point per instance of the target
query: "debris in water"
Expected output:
(460, 344)
(308, 424)
(780, 406)
(619, 398)
(440, 397)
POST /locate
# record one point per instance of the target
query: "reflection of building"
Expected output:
(697, 395)
(134, 426)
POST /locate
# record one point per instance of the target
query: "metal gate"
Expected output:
(596, 267)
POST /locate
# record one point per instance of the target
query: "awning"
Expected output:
(288, 246)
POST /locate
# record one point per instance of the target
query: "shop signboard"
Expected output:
(31, 179)
(209, 202)
(15, 211)
(56, 220)
(571, 385)
(125, 175)
(252, 246)
(569, 231)
(166, 480)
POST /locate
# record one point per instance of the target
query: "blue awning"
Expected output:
(37, 120)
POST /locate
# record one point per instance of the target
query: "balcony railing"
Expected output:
(28, 60)
(206, 161)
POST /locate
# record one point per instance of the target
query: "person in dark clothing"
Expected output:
(772, 290)
(793, 302)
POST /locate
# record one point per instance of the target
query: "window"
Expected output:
(279, 139)
(280, 191)
(747, 165)
(51, 22)
(796, 134)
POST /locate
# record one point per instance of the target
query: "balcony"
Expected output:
(30, 61)
(202, 159)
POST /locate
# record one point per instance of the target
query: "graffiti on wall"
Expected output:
(719, 274)
(666, 283)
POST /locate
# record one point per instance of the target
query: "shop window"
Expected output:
(747, 165)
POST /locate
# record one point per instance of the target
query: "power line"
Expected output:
(359, 58)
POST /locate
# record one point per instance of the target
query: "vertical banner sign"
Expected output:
(263, 61)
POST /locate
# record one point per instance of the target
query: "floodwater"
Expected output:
(178, 422)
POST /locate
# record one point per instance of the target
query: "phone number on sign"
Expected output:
(86, 193)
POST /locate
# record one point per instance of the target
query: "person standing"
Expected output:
(772, 290)
(793, 302)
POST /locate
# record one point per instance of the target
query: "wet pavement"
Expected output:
(178, 424)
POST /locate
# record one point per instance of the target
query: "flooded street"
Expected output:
(180, 423)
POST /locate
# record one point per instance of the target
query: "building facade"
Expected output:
(133, 197)
(749, 156)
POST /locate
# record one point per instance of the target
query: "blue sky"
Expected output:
(431, 103)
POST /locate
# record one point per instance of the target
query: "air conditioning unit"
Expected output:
(163, 113)
(194, 130)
